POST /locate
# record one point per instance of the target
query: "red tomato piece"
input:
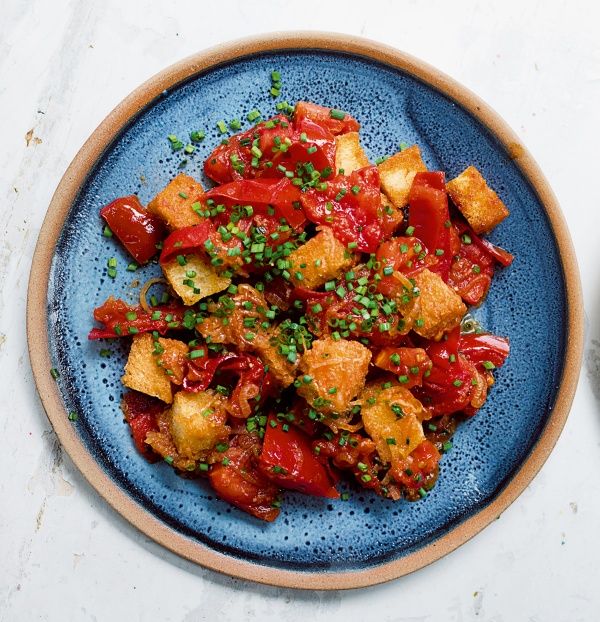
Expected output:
(288, 460)
(260, 193)
(336, 121)
(140, 412)
(484, 347)
(234, 160)
(448, 387)
(240, 483)
(350, 205)
(313, 143)
(185, 240)
(138, 231)
(113, 314)
(401, 255)
(408, 363)
(417, 466)
(254, 382)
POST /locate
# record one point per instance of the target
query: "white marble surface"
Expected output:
(65, 554)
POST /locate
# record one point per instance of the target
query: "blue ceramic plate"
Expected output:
(315, 542)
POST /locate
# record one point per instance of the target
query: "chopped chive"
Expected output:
(337, 114)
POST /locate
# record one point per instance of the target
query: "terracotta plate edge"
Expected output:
(66, 193)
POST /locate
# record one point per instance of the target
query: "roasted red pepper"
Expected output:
(119, 321)
(138, 230)
(499, 254)
(351, 206)
(289, 461)
(429, 216)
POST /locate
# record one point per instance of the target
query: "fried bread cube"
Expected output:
(393, 419)
(478, 203)
(349, 155)
(398, 172)
(197, 422)
(190, 289)
(173, 205)
(250, 306)
(337, 372)
(324, 258)
(152, 373)
(437, 309)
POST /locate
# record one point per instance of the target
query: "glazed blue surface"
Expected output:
(525, 300)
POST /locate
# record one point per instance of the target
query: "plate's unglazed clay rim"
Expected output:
(37, 331)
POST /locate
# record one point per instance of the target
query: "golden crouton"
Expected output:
(323, 258)
(392, 418)
(437, 309)
(197, 422)
(349, 155)
(173, 205)
(194, 280)
(151, 370)
(337, 372)
(478, 203)
(398, 172)
(244, 329)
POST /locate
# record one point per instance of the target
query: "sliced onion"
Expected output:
(147, 285)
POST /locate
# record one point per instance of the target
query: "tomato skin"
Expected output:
(288, 460)
(138, 231)
(113, 313)
(184, 240)
(220, 167)
(251, 371)
(421, 465)
(322, 116)
(428, 214)
(240, 483)
(409, 360)
(439, 393)
(260, 193)
(353, 218)
(319, 140)
(484, 347)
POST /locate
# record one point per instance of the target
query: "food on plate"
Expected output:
(315, 320)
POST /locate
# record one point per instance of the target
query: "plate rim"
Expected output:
(76, 174)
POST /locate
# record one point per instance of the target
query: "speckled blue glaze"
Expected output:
(526, 303)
